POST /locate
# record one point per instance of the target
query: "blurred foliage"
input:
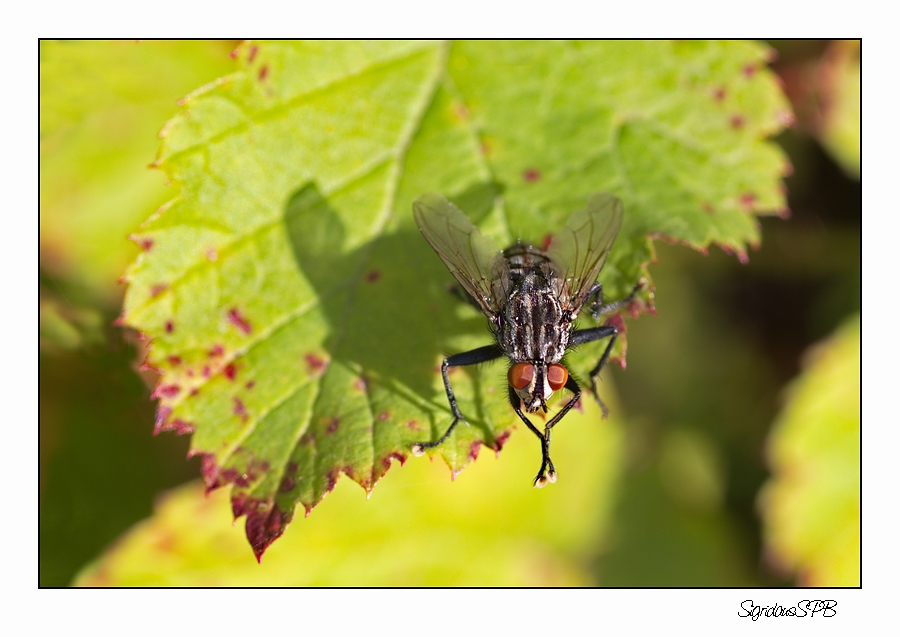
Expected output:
(825, 91)
(697, 400)
(811, 507)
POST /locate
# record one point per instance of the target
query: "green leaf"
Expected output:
(298, 317)
(811, 507)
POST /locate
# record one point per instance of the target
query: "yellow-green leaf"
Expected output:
(811, 505)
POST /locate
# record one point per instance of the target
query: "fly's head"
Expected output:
(535, 382)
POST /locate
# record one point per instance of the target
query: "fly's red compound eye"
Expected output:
(557, 375)
(520, 375)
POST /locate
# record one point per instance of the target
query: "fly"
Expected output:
(531, 298)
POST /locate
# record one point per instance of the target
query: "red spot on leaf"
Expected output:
(212, 254)
(144, 243)
(210, 471)
(750, 70)
(487, 148)
(707, 207)
(747, 200)
(263, 72)
(181, 427)
(618, 322)
(190, 373)
(119, 322)
(250, 384)
(239, 321)
(216, 351)
(239, 409)
(361, 383)
(315, 363)
(373, 276)
(460, 111)
(332, 478)
(194, 391)
(333, 425)
(719, 93)
(158, 289)
(233, 54)
(737, 121)
(531, 175)
(174, 361)
(230, 371)
(384, 416)
(500, 440)
(546, 241)
(394, 455)
(170, 327)
(414, 425)
(287, 484)
(206, 371)
(786, 118)
(473, 450)
(166, 391)
(252, 55)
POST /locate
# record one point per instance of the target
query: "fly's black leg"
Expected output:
(548, 471)
(480, 355)
(597, 307)
(573, 387)
(579, 337)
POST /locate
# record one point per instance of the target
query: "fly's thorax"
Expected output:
(533, 325)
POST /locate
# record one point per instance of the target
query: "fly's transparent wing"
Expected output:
(581, 247)
(468, 254)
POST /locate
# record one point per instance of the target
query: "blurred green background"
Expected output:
(733, 450)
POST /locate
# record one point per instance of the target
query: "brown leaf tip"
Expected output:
(265, 524)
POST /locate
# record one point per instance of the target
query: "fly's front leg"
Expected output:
(480, 355)
(551, 475)
(579, 337)
(548, 471)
